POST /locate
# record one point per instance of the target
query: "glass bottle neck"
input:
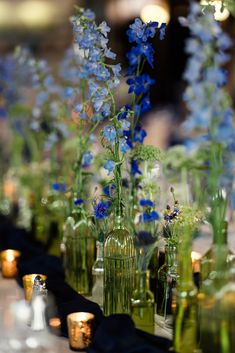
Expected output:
(171, 255)
(118, 221)
(185, 269)
(142, 280)
(220, 234)
(99, 250)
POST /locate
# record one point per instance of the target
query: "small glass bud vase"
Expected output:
(142, 303)
(119, 270)
(98, 275)
(166, 280)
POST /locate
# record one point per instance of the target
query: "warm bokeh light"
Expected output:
(5, 13)
(221, 13)
(35, 13)
(155, 12)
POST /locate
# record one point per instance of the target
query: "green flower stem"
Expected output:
(184, 183)
(224, 337)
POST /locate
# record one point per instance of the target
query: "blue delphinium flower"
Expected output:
(151, 216)
(210, 113)
(139, 83)
(87, 159)
(101, 209)
(124, 146)
(109, 166)
(109, 133)
(146, 202)
(209, 107)
(10, 78)
(78, 202)
(59, 187)
(45, 113)
(91, 47)
(135, 168)
(109, 189)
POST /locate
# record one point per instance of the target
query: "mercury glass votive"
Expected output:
(80, 329)
(28, 281)
(9, 260)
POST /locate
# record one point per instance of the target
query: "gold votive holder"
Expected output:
(80, 329)
(9, 260)
(28, 281)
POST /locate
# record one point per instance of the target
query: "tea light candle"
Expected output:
(196, 257)
(80, 327)
(55, 325)
(28, 281)
(9, 259)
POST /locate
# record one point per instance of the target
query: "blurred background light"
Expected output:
(5, 13)
(33, 13)
(148, 10)
(158, 11)
(36, 13)
(221, 13)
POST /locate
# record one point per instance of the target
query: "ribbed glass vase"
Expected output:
(79, 254)
(119, 269)
(142, 303)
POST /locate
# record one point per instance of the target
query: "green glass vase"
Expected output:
(185, 303)
(208, 263)
(79, 254)
(217, 307)
(142, 303)
(119, 270)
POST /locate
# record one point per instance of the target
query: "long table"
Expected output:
(10, 293)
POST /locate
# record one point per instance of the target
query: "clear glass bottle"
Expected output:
(119, 269)
(142, 303)
(79, 253)
(185, 302)
(166, 281)
(98, 275)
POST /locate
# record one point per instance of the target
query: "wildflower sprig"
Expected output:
(178, 216)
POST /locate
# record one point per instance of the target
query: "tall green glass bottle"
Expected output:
(119, 269)
(185, 305)
(217, 306)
